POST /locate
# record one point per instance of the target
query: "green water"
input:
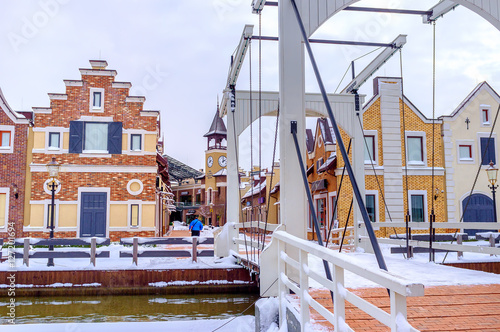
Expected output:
(89, 309)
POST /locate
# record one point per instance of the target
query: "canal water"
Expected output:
(137, 308)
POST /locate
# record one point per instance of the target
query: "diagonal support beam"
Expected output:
(238, 58)
(341, 146)
(382, 58)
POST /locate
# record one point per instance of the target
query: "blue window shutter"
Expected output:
(75, 136)
(489, 154)
(115, 138)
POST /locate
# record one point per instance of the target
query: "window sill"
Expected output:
(95, 154)
(416, 163)
(51, 148)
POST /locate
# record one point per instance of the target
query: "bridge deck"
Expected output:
(443, 308)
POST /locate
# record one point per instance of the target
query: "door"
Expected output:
(479, 209)
(93, 214)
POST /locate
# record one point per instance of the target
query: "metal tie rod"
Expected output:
(327, 41)
(388, 10)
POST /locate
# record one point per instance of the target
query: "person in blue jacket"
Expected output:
(195, 226)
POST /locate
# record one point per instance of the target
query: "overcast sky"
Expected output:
(177, 53)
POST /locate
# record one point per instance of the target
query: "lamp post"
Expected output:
(53, 169)
(492, 178)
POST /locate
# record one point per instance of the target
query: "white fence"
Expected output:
(459, 248)
(283, 268)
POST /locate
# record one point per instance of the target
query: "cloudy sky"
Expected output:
(177, 54)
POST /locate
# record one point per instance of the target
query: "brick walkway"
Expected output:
(443, 308)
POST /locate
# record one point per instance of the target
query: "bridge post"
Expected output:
(293, 211)
(233, 188)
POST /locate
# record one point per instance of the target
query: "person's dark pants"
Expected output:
(195, 233)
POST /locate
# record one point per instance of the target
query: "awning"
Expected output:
(319, 185)
(329, 163)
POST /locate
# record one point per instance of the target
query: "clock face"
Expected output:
(210, 161)
(222, 161)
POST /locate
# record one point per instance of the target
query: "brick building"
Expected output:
(14, 131)
(391, 180)
(106, 144)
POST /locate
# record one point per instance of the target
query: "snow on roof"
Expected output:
(259, 187)
(222, 172)
(328, 164)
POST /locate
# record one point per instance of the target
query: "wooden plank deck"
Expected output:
(471, 308)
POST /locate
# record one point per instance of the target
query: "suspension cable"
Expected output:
(260, 129)
(252, 180)
(408, 216)
(433, 216)
(272, 174)
(239, 179)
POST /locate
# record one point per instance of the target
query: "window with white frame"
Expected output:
(415, 149)
(465, 152)
(485, 114)
(54, 140)
(371, 207)
(370, 152)
(135, 142)
(96, 100)
(417, 202)
(134, 215)
(4, 206)
(96, 137)
(6, 139)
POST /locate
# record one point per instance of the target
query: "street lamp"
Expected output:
(492, 178)
(53, 169)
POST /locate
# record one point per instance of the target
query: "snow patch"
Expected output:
(188, 283)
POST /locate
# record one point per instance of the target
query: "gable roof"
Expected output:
(218, 127)
(13, 116)
(179, 171)
(309, 140)
(326, 131)
(481, 86)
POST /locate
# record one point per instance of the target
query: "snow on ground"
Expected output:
(417, 269)
(239, 324)
(114, 262)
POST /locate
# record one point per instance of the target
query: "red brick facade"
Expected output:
(112, 170)
(12, 169)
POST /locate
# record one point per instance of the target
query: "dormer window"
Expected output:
(96, 100)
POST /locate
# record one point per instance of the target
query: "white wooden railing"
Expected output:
(458, 247)
(228, 240)
(283, 268)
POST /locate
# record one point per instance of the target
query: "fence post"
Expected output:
(492, 242)
(338, 298)
(459, 242)
(135, 250)
(398, 306)
(195, 249)
(93, 242)
(281, 269)
(26, 252)
(304, 287)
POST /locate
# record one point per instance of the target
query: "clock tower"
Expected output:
(215, 169)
